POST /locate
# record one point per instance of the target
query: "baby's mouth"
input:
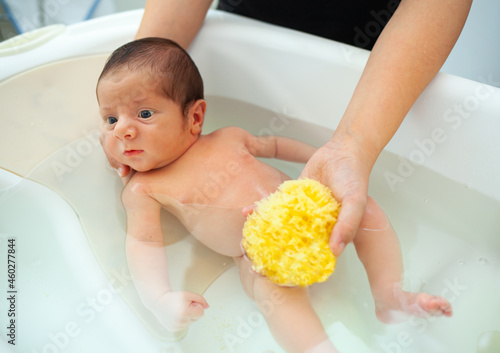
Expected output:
(132, 153)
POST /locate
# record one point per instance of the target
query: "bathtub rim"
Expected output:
(243, 35)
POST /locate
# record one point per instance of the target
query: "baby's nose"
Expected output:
(124, 130)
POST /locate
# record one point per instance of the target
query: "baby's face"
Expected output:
(143, 128)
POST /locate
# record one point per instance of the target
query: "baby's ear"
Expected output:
(196, 115)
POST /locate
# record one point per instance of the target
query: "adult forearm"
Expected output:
(179, 20)
(408, 54)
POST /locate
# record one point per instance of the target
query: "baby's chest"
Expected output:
(220, 175)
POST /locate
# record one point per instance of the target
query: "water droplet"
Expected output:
(483, 260)
(426, 200)
(488, 342)
(461, 262)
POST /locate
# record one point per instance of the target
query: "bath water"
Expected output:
(450, 241)
(449, 235)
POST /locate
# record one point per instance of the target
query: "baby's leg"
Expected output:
(378, 249)
(288, 312)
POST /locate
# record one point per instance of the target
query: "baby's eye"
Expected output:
(145, 114)
(111, 120)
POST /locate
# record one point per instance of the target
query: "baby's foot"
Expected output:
(415, 304)
(433, 305)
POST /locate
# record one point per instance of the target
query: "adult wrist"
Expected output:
(358, 146)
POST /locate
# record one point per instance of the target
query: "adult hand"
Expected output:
(406, 57)
(179, 20)
(342, 165)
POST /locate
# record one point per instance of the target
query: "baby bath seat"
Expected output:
(60, 201)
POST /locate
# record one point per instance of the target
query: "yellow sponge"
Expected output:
(286, 237)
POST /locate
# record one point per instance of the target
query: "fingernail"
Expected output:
(119, 170)
(341, 247)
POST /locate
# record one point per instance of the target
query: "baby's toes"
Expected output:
(434, 305)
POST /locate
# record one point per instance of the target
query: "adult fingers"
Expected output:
(349, 218)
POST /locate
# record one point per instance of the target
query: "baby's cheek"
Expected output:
(112, 147)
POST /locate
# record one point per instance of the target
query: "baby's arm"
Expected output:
(147, 260)
(279, 147)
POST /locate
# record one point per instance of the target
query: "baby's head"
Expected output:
(150, 96)
(165, 63)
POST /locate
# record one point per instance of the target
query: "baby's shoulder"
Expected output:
(137, 185)
(143, 183)
(231, 136)
(151, 186)
(231, 132)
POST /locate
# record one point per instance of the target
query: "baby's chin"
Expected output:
(144, 167)
(142, 164)
(141, 168)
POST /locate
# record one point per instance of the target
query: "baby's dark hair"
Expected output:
(166, 61)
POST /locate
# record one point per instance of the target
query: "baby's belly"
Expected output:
(214, 215)
(217, 227)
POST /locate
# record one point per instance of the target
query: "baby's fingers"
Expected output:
(195, 312)
(122, 169)
(247, 210)
(197, 299)
(196, 307)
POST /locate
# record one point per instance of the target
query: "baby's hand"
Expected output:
(124, 171)
(177, 310)
(247, 210)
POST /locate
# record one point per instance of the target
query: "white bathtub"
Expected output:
(439, 181)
